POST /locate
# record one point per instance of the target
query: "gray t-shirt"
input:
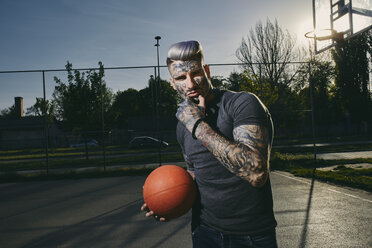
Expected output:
(226, 202)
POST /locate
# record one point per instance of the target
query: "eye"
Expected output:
(180, 78)
(197, 73)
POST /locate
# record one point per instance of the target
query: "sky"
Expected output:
(44, 34)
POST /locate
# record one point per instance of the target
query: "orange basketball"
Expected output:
(169, 191)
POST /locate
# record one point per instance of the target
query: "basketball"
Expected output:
(169, 191)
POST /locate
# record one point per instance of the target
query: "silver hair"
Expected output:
(185, 50)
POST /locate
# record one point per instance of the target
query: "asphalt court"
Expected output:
(105, 212)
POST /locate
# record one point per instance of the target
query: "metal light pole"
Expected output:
(157, 38)
(46, 127)
(312, 108)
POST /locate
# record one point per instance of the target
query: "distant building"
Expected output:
(27, 131)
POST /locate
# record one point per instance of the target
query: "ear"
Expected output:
(172, 82)
(207, 70)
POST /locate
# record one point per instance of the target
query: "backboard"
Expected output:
(336, 20)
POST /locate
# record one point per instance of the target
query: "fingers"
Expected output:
(150, 213)
(201, 101)
(156, 217)
(202, 105)
(144, 208)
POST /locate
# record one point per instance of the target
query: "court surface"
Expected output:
(105, 212)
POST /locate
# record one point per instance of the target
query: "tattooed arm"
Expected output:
(247, 156)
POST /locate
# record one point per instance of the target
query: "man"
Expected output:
(226, 138)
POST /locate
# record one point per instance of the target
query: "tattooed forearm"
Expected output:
(247, 157)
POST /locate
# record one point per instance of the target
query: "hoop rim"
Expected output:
(334, 35)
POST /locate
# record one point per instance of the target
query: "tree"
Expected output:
(266, 53)
(8, 113)
(251, 83)
(322, 74)
(352, 77)
(78, 103)
(133, 103)
(234, 81)
(218, 82)
(125, 105)
(42, 108)
(168, 99)
(165, 93)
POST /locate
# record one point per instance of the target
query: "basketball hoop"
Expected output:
(325, 34)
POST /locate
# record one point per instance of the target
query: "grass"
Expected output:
(82, 162)
(303, 165)
(73, 175)
(298, 161)
(72, 152)
(39, 153)
(361, 178)
(325, 149)
(287, 161)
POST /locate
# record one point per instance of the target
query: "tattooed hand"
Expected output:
(189, 112)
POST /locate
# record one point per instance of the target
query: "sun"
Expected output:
(344, 24)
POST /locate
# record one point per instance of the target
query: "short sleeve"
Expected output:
(246, 109)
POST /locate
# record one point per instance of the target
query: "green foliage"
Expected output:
(163, 93)
(282, 101)
(299, 164)
(42, 108)
(133, 103)
(339, 88)
(303, 165)
(168, 99)
(126, 104)
(78, 102)
(234, 81)
(218, 82)
(288, 111)
(251, 83)
(352, 77)
(8, 113)
(321, 74)
(79, 105)
(358, 178)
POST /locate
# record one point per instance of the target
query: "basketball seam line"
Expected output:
(168, 189)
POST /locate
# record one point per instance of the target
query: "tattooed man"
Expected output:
(226, 139)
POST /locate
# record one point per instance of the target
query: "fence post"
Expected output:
(260, 80)
(160, 138)
(46, 132)
(102, 123)
(312, 109)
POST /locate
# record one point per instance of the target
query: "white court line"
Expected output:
(332, 190)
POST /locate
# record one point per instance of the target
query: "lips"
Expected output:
(193, 94)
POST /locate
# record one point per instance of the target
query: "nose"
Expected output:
(190, 82)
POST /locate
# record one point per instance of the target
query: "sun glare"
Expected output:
(342, 24)
(304, 26)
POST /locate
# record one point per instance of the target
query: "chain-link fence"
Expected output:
(31, 141)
